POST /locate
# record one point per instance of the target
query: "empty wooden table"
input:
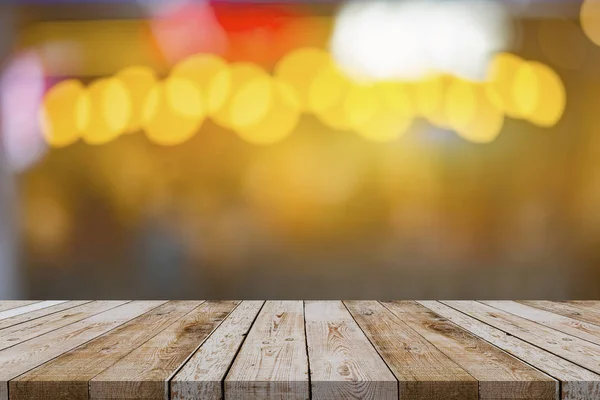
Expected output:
(299, 350)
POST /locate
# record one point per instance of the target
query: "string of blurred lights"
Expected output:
(264, 108)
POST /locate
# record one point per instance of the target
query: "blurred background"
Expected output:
(300, 149)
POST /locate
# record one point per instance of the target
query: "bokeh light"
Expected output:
(64, 113)
(278, 110)
(501, 80)
(471, 112)
(109, 111)
(539, 94)
(392, 116)
(203, 70)
(429, 95)
(21, 91)
(300, 68)
(173, 112)
(239, 74)
(590, 20)
(139, 80)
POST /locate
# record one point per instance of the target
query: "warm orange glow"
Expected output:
(63, 113)
(173, 112)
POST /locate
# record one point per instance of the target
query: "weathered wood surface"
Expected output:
(577, 383)
(144, 373)
(272, 362)
(423, 371)
(184, 350)
(497, 372)
(343, 363)
(203, 374)
(67, 377)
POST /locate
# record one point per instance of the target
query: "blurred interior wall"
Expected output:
(10, 286)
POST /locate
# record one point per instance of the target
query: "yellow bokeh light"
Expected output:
(64, 112)
(391, 118)
(139, 81)
(239, 75)
(251, 103)
(299, 69)
(109, 111)
(210, 74)
(278, 119)
(328, 88)
(500, 81)
(539, 94)
(173, 112)
(471, 113)
(461, 103)
(429, 95)
(327, 97)
(361, 104)
(590, 20)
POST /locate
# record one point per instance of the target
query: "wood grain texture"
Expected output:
(272, 363)
(202, 376)
(10, 304)
(423, 371)
(28, 308)
(19, 318)
(23, 357)
(567, 310)
(145, 372)
(497, 372)
(343, 363)
(67, 377)
(577, 383)
(571, 326)
(20, 333)
(576, 350)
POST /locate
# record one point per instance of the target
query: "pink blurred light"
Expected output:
(21, 91)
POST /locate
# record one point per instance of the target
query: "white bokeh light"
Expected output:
(410, 39)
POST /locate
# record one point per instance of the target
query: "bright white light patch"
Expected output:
(410, 39)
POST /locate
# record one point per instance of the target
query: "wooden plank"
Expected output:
(567, 310)
(576, 350)
(29, 316)
(577, 383)
(40, 326)
(10, 304)
(571, 326)
(67, 377)
(423, 371)
(28, 308)
(272, 363)
(593, 305)
(145, 372)
(343, 363)
(497, 372)
(202, 376)
(23, 357)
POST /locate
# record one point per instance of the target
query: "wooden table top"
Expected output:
(299, 350)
